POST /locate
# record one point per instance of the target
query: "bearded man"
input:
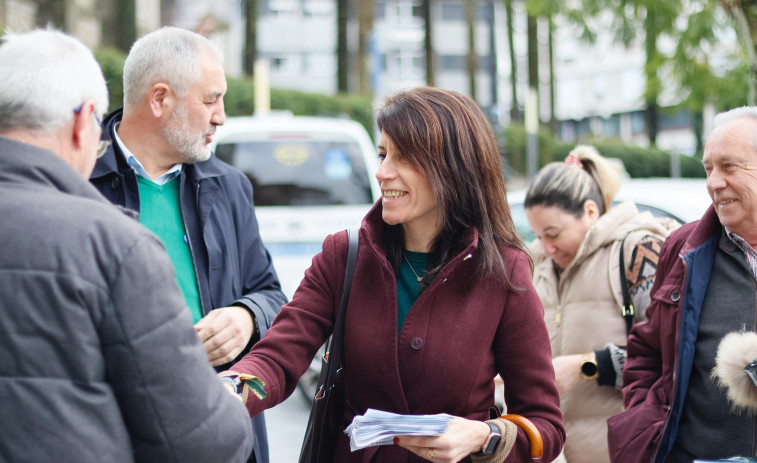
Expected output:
(160, 165)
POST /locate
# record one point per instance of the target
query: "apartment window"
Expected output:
(568, 131)
(638, 123)
(406, 65)
(455, 12)
(323, 9)
(404, 13)
(583, 128)
(460, 62)
(678, 120)
(452, 62)
(320, 64)
(284, 9)
(380, 11)
(285, 64)
(611, 126)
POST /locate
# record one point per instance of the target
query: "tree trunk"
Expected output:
(365, 31)
(342, 54)
(51, 12)
(515, 114)
(653, 81)
(744, 15)
(428, 44)
(698, 128)
(493, 74)
(250, 36)
(470, 18)
(119, 21)
(533, 55)
(552, 118)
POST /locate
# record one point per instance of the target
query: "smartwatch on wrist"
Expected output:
(492, 440)
(589, 368)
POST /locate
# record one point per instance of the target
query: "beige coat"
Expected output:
(583, 313)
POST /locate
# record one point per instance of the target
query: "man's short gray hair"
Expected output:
(46, 74)
(744, 112)
(170, 55)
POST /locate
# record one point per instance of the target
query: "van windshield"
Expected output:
(301, 171)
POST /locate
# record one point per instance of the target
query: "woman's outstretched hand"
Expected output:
(462, 438)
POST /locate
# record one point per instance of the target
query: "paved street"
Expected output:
(286, 427)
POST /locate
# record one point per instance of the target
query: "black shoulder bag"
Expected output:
(325, 422)
(627, 309)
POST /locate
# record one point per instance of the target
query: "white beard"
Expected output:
(191, 146)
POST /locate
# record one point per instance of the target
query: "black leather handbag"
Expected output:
(325, 422)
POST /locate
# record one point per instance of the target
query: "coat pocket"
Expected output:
(634, 434)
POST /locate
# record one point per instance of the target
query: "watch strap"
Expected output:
(491, 441)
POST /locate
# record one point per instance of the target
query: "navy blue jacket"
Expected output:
(232, 265)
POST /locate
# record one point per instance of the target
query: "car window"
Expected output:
(300, 170)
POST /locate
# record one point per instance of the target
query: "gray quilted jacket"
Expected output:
(98, 358)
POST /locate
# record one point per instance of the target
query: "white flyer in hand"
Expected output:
(377, 427)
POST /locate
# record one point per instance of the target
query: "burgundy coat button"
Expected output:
(416, 343)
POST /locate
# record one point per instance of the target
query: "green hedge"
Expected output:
(638, 161)
(112, 63)
(240, 101)
(240, 96)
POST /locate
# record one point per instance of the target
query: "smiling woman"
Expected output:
(441, 278)
(588, 255)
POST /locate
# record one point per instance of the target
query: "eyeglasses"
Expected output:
(103, 145)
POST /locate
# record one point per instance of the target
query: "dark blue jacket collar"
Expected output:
(113, 160)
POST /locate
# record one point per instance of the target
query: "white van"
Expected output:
(311, 176)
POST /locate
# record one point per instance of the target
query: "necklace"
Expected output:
(412, 269)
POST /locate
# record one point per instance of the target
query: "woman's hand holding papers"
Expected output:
(462, 438)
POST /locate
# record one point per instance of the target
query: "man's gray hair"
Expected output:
(744, 112)
(45, 75)
(170, 55)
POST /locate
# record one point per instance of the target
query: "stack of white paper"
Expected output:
(377, 427)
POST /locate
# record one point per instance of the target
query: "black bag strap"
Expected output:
(627, 309)
(334, 351)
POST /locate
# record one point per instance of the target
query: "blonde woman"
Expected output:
(577, 275)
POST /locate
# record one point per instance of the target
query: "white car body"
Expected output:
(293, 233)
(684, 199)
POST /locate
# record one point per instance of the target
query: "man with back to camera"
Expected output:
(686, 391)
(95, 338)
(160, 165)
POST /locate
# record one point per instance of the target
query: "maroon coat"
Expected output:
(651, 393)
(457, 336)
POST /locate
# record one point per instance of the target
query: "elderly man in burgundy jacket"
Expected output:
(678, 409)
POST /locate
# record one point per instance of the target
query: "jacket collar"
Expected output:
(704, 229)
(25, 163)
(113, 160)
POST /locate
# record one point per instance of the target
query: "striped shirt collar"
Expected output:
(746, 248)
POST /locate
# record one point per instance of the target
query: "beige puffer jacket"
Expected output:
(583, 313)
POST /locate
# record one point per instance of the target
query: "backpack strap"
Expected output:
(627, 309)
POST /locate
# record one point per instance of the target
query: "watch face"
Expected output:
(588, 368)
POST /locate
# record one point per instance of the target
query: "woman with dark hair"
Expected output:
(441, 302)
(577, 273)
